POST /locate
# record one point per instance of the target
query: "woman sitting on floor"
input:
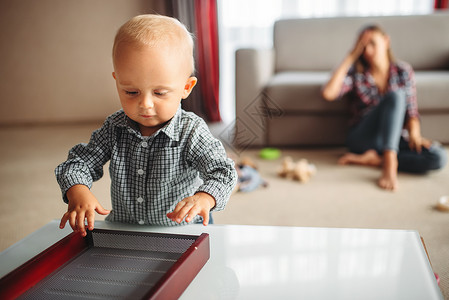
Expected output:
(385, 127)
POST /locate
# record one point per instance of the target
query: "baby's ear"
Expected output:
(191, 82)
(113, 75)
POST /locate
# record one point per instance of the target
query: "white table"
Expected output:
(265, 262)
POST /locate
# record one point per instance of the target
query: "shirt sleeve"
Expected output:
(208, 156)
(348, 83)
(85, 162)
(410, 92)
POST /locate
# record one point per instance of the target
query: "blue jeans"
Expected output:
(380, 130)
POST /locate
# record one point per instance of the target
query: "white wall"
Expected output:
(55, 58)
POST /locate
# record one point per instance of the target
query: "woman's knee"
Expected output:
(431, 159)
(438, 157)
(396, 100)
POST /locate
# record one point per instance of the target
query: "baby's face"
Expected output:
(151, 82)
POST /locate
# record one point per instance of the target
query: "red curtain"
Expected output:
(207, 56)
(200, 17)
(441, 4)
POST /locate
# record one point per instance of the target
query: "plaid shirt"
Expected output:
(150, 175)
(364, 95)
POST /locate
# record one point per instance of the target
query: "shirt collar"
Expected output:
(171, 129)
(393, 69)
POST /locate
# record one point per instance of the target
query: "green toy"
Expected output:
(270, 153)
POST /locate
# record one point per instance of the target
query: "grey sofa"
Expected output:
(278, 101)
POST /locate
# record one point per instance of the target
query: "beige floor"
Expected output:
(336, 196)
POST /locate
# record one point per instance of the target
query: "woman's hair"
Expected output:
(361, 64)
(153, 31)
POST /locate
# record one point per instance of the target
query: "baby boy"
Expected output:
(166, 168)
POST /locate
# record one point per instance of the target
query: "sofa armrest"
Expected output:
(253, 69)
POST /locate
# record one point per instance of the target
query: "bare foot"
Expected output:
(389, 178)
(368, 158)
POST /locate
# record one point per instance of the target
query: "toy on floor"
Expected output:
(301, 170)
(443, 204)
(270, 153)
(249, 178)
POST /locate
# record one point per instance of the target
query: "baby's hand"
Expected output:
(198, 204)
(82, 205)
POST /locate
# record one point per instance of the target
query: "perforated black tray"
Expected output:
(109, 264)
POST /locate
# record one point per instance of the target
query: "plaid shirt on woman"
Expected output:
(151, 174)
(364, 94)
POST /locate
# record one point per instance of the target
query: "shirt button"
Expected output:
(144, 144)
(140, 172)
(140, 199)
(141, 222)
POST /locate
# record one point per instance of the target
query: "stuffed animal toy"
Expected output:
(287, 167)
(302, 170)
(249, 178)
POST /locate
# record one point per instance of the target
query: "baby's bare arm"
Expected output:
(82, 205)
(199, 204)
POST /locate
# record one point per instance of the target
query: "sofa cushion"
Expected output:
(294, 130)
(432, 126)
(432, 89)
(298, 91)
(321, 43)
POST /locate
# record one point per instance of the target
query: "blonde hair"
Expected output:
(153, 31)
(361, 64)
